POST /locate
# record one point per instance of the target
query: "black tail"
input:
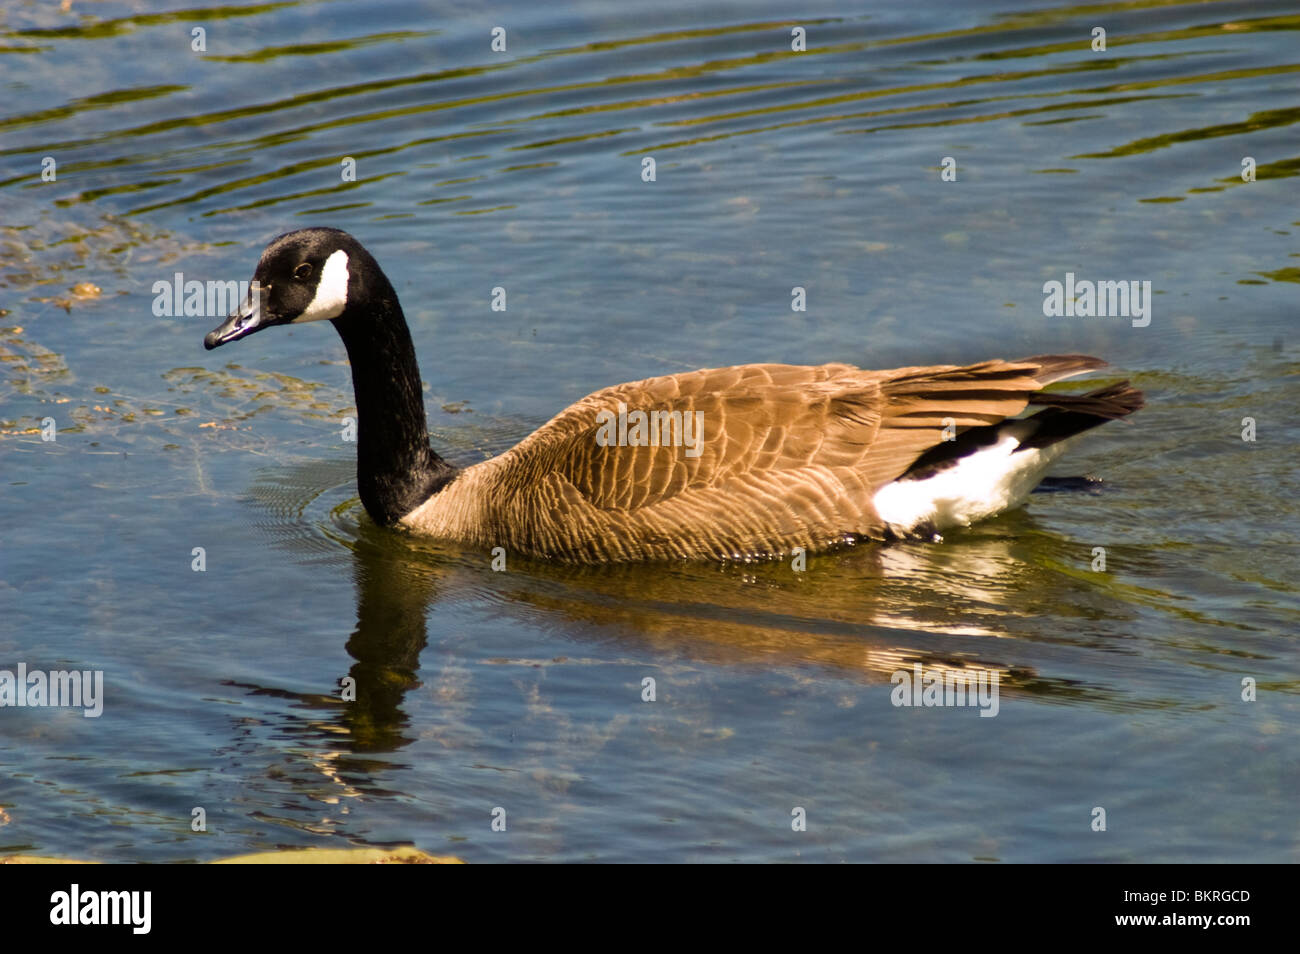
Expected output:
(1070, 414)
(1065, 416)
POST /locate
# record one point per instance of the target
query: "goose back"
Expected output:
(789, 456)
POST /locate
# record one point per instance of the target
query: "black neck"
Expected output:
(397, 470)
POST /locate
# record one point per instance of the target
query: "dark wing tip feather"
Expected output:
(1109, 403)
(1054, 367)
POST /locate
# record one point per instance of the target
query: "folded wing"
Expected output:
(776, 456)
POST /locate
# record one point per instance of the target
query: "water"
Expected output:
(522, 169)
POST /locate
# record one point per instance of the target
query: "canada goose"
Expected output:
(740, 463)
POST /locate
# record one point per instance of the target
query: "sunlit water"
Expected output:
(522, 690)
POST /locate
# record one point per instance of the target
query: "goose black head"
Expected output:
(307, 275)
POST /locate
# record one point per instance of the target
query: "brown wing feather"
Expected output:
(790, 456)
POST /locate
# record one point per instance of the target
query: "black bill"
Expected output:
(244, 320)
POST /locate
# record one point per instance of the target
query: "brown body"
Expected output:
(791, 456)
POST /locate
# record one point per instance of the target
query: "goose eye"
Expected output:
(302, 271)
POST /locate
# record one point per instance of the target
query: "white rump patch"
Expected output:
(331, 291)
(978, 485)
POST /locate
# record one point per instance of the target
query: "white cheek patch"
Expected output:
(331, 291)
